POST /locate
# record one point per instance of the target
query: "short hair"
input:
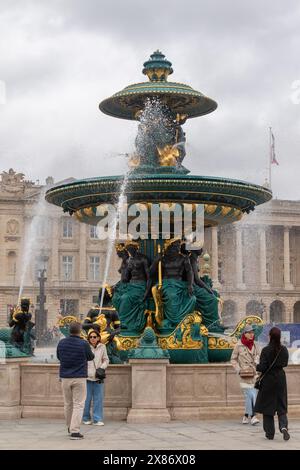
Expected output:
(75, 328)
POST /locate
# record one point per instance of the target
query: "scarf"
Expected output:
(247, 342)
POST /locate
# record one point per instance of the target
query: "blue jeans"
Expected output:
(94, 392)
(250, 398)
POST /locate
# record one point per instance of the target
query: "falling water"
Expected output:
(30, 243)
(113, 232)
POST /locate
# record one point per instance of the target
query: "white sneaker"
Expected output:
(254, 420)
(245, 420)
(87, 422)
(98, 423)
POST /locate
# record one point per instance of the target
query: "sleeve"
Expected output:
(258, 353)
(285, 357)
(234, 358)
(105, 360)
(89, 354)
(57, 351)
(263, 362)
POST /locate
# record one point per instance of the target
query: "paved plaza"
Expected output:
(34, 434)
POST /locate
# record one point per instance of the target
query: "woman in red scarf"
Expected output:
(244, 359)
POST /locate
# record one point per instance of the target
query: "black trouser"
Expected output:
(269, 427)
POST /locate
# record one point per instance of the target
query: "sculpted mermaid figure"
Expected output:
(207, 299)
(177, 284)
(132, 303)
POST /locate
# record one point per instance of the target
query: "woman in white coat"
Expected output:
(95, 387)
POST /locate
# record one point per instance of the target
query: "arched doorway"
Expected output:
(254, 307)
(277, 311)
(296, 316)
(229, 313)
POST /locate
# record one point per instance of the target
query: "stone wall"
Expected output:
(209, 391)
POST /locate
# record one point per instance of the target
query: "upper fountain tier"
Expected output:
(180, 98)
(157, 175)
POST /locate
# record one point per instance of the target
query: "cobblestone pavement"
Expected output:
(188, 435)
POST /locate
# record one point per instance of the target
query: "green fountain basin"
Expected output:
(225, 199)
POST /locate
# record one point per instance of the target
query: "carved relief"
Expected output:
(12, 182)
(12, 227)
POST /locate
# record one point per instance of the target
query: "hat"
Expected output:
(248, 328)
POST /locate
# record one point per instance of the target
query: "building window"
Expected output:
(220, 272)
(95, 299)
(67, 228)
(94, 271)
(268, 273)
(12, 263)
(69, 307)
(292, 273)
(93, 232)
(41, 227)
(67, 268)
(244, 274)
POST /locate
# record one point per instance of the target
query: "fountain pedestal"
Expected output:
(149, 391)
(10, 388)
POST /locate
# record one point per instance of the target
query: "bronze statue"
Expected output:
(22, 335)
(207, 302)
(177, 283)
(131, 304)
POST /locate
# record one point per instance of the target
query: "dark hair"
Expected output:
(275, 335)
(75, 328)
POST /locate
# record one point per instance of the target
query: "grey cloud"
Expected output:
(60, 58)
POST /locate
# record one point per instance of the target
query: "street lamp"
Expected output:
(41, 312)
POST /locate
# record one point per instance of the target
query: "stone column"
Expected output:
(82, 252)
(263, 258)
(286, 258)
(54, 252)
(149, 391)
(215, 257)
(239, 259)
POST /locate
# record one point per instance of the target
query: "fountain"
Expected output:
(158, 292)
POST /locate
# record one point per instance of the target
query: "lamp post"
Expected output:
(41, 312)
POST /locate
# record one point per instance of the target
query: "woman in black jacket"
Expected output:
(272, 396)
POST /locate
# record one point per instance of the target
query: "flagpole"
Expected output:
(270, 157)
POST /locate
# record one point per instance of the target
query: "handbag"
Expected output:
(258, 381)
(99, 373)
(247, 373)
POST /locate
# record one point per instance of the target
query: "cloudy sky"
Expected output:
(60, 58)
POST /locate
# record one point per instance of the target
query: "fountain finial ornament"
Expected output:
(157, 68)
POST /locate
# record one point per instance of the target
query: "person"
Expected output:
(244, 359)
(272, 395)
(107, 322)
(95, 387)
(74, 354)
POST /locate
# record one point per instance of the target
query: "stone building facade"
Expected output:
(255, 263)
(71, 253)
